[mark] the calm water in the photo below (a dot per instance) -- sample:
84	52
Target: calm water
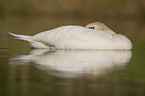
27	72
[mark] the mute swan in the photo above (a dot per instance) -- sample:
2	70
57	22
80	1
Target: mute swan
78	37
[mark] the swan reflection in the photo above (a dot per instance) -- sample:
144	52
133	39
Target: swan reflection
74	63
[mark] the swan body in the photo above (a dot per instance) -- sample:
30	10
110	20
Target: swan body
78	37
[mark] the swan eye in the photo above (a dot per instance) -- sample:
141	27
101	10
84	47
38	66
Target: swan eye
91	27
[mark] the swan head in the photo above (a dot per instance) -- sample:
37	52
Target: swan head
100	26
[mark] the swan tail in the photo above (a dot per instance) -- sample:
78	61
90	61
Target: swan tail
32	43
20	37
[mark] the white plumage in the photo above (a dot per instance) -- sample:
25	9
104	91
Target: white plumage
77	37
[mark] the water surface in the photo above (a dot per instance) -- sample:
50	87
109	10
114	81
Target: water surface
27	72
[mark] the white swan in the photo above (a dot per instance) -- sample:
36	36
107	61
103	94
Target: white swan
78	37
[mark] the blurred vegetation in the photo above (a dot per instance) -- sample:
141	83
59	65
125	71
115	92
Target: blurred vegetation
82	8
32	16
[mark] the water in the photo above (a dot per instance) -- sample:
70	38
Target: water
27	72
